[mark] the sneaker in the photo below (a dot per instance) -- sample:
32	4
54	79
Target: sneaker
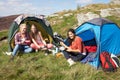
71	62
46	54
8	53
53	52
36	50
84	53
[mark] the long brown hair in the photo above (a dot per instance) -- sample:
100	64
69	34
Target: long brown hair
70	40
34	34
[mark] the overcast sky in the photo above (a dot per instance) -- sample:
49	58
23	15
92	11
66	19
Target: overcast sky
46	7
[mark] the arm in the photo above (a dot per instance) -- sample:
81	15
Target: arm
41	38
64	45
73	50
33	40
80	46
28	39
77	45
68	48
17	41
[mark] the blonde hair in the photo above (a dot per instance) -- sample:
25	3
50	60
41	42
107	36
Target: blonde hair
23	24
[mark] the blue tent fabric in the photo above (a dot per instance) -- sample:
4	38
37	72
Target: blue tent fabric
106	34
84	35
110	42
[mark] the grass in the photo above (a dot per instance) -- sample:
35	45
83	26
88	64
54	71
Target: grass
3	33
37	66
115	19
62	25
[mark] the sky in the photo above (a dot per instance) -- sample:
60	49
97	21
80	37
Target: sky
44	7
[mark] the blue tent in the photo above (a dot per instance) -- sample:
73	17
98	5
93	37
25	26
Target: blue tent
103	33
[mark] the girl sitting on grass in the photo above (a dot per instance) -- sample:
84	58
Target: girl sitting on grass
37	39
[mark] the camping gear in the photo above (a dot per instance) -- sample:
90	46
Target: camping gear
107	63
57	38
59	54
102	34
115	60
40	22
88	58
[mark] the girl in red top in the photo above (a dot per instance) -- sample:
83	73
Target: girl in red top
76	50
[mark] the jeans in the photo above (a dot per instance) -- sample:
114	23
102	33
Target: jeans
23	48
74	56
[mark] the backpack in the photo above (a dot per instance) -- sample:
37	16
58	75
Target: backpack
107	63
115	60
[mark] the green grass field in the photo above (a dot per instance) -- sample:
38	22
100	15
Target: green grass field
37	66
3	33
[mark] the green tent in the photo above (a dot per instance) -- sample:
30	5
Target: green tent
40	22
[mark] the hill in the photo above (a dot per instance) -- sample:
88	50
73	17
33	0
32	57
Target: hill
69	18
5	22
66	19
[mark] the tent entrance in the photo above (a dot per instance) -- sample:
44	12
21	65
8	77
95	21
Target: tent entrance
45	35
89	40
39	27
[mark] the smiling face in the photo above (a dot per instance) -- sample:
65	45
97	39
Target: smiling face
23	28
71	35
33	29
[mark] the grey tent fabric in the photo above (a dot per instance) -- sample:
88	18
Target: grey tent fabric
99	21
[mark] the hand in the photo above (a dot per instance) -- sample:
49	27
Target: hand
69	50
23	40
61	43
39	47
27	41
